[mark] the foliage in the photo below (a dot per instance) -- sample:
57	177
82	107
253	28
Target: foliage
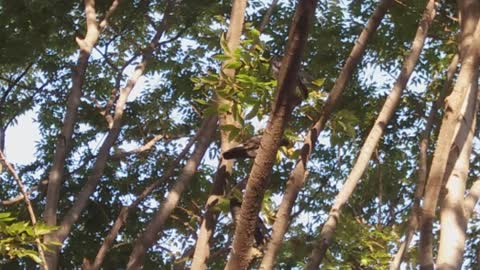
17	238
179	88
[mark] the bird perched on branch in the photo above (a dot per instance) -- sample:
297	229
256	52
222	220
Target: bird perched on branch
303	80
248	149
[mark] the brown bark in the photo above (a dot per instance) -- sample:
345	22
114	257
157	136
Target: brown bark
266	17
447	149
207	227
63	144
126	210
31	212
453	223
371	142
285	102
472	198
82	198
297	176
224	171
151	233
413	220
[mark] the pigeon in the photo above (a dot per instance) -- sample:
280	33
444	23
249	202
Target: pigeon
248	149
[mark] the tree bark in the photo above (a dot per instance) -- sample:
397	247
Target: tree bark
285	102
297	176
151	233
413	220
371	142
126	210
447	149
472	198
224	171
453	223
64	140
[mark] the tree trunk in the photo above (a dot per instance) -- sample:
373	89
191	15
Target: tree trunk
151	233
2	137
73	214
413	220
453	223
297	176
125	211
472	198
371	142
64	139
224	171
285	102
447	150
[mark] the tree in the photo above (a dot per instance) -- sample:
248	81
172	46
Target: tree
136	102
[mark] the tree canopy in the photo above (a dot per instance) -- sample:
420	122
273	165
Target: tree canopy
366	109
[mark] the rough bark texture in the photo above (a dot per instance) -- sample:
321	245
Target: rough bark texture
446	149
224	171
64	139
151	233
126	210
297	176
371	142
413	220
285	101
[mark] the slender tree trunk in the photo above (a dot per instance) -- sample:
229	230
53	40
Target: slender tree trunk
266	18
371	142
224	171
126	210
64	140
472	198
73	214
413	220
447	150
285	102
2	137
297	176
453	223
151	233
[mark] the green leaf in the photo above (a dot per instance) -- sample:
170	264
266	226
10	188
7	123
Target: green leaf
223	43
253	112
233	65
318	82
222	57
200	101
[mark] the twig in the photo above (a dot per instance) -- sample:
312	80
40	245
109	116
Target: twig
20	197
146	147
29	206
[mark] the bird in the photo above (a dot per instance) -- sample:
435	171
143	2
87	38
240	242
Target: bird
248	149
303	79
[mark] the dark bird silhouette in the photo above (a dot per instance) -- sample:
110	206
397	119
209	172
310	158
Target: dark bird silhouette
248	149
303	79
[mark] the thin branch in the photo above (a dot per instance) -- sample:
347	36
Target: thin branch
146	147
21	197
13	83
125	211
471	199
177	36
31	212
104	23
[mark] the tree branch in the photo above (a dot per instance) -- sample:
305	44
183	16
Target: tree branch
31	212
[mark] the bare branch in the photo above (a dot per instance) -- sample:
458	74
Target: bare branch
146	147
21	197
31	212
